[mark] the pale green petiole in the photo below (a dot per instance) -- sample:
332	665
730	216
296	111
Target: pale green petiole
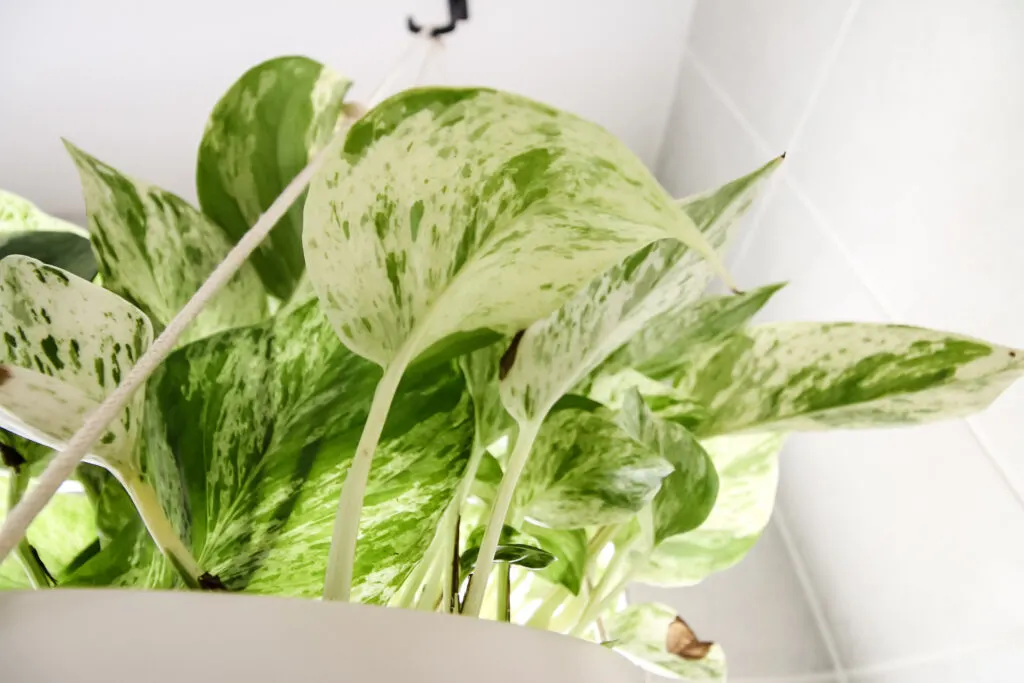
502	501
160	528
35	571
340	561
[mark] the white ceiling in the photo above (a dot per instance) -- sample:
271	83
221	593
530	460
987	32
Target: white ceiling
132	82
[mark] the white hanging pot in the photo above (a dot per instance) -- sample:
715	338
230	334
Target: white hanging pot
181	637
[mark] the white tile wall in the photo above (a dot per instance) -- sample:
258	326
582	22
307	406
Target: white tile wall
900	200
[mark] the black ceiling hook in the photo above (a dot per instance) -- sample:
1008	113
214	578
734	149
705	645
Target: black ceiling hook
458	10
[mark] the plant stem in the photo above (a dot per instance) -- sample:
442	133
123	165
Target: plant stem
541	618
608	588
406	595
340	560
35	571
603	536
502	501
504	605
160	528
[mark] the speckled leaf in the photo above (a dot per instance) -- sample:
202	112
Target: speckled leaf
558	351
262	422
748	473
66	345
263	131
448	211
810	376
663	400
584	470
656	350
640	632
481	371
688	493
61	531
26	230
155	250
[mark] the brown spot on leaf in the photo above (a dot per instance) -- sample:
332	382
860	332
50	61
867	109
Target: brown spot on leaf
5	374
682	641
509	357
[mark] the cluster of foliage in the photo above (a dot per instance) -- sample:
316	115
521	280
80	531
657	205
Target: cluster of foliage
484	331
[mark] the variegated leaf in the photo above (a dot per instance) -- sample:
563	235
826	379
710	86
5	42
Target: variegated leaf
62	530
449	211
156	250
66	344
688	494
584	470
260	423
481	368
748	473
662	399
641	633
806	376
558	351
656	350
263	131
26	230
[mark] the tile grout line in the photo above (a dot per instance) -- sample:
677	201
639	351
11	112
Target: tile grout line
817	612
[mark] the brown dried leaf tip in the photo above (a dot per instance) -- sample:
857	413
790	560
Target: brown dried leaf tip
5	374
682	641
509	357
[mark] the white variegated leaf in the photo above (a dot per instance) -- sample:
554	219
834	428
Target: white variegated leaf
26	230
748	474
480	369
688	494
66	344
449	211
263	131
249	434
807	376
656	350
558	351
641	632
155	250
584	470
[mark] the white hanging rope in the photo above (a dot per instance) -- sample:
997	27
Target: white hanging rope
61	467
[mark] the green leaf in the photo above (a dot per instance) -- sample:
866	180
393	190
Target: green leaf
128	560
262	423
26	230
66	345
481	371
748	472
585	471
641	632
263	131
452	210
114	507
58	534
656	350
663	400
569	547
155	250
809	376
519	554
555	353
688	494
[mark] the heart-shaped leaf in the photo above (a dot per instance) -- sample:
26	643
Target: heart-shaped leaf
66	344
453	210
748	472
263	131
26	230
585	470
842	375
555	353
646	634
688	494
261	423
155	250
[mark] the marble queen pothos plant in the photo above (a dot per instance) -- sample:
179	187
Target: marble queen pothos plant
483	332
